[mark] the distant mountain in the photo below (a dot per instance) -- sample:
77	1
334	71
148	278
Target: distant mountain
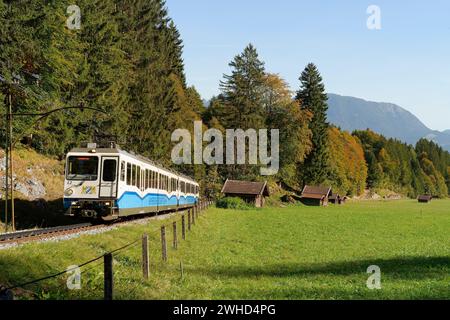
388	119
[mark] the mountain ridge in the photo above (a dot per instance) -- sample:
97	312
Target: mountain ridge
391	120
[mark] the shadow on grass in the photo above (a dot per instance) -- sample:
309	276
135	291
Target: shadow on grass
38	213
439	291
413	268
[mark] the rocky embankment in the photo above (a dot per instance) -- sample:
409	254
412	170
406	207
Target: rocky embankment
35	176
38	187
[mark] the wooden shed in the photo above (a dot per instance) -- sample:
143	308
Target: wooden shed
337	199
250	191
424	198
334	198
316	195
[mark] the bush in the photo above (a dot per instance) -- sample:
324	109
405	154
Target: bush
233	203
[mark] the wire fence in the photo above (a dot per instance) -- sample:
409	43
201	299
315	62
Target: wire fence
188	219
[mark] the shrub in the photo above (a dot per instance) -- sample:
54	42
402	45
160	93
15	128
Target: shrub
233	203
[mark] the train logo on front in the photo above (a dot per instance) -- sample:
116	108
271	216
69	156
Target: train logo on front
88	190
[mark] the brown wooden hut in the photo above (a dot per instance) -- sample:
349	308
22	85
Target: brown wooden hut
334	199
337	199
316	195
250	191
424	198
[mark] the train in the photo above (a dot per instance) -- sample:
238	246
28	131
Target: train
106	183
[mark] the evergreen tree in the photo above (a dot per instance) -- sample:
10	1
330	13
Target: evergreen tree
242	91
312	97
242	104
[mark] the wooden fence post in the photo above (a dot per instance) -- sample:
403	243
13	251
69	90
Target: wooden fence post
108	276
193	216
189	219
145	264
175	240
163	243
183	227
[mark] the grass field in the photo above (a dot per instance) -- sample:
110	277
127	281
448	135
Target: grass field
274	253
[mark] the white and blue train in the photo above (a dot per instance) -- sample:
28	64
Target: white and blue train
108	183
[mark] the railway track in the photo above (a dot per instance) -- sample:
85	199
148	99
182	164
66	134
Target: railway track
60	231
37	234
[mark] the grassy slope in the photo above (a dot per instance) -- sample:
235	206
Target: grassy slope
289	253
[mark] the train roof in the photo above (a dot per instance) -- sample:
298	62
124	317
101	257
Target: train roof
118	150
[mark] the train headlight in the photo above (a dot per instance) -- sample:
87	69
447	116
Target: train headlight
68	192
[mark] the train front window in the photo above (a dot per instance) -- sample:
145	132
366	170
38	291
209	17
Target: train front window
82	168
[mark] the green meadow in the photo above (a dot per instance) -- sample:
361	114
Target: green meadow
296	252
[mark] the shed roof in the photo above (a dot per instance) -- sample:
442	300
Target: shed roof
316	192
245	187
424	197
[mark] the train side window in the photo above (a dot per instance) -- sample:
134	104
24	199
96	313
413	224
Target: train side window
128	173
146	178
138	179
158	182
152	179
122	171
133	173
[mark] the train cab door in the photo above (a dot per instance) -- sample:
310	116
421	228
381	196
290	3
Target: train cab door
109	177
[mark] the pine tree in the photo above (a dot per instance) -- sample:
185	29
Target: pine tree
152	93
312	97
241	104
242	91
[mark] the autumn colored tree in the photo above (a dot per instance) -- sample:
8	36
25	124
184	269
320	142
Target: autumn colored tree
347	163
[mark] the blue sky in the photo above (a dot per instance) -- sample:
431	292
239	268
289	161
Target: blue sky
406	62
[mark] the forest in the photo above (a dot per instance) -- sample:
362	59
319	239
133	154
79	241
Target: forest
126	59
